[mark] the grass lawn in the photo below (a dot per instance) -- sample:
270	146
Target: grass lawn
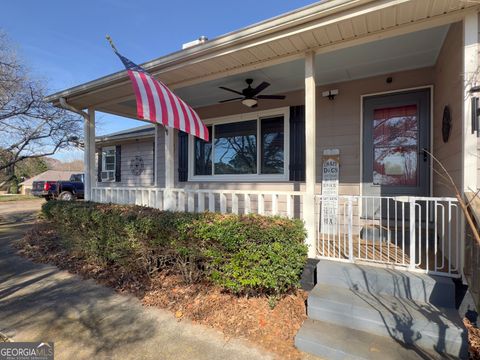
4	198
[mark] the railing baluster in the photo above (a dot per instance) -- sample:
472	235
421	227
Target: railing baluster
290	206
261	204
201	202
191	201
274	204
211	201
412	264
223	203
247	204
234	203
350	229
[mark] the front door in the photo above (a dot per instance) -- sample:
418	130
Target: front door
396	133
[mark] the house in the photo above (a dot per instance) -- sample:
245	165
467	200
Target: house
368	95
52	175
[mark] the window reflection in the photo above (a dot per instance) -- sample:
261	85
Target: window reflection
272	146
203	155
395	144
236	148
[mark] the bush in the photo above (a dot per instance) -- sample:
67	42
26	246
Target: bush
245	254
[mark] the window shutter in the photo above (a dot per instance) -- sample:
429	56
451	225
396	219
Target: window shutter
118	163
99	165
182	156
297	143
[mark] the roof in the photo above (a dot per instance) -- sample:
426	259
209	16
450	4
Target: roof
321	27
137	132
50	175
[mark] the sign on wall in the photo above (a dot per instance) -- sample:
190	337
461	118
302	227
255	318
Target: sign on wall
330	174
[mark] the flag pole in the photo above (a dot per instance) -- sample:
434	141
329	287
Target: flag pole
109	39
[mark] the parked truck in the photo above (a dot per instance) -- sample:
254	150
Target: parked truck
67	190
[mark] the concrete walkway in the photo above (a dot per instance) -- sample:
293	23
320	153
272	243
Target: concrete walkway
88	321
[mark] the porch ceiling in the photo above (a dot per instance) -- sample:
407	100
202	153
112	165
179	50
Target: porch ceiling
272	48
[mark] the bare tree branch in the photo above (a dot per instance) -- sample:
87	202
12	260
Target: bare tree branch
29	127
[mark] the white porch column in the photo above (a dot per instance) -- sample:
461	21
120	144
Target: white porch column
469	140
310	156
169	203
155	176
470	71
89	153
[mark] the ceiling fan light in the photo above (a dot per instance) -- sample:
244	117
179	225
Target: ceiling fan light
249	102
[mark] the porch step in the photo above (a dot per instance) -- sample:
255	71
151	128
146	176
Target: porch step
404	320
330	341
436	290
368	312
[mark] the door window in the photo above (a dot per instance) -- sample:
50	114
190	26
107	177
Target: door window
395	146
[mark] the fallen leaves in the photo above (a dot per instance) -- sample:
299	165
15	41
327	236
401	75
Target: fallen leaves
473	339
251	318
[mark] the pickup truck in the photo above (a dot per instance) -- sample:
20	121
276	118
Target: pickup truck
67	190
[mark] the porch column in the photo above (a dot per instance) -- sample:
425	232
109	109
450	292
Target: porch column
155	160
169	203
89	152
469	140
310	156
470	71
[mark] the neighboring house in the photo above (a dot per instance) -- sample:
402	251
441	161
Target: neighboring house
49	175
372	87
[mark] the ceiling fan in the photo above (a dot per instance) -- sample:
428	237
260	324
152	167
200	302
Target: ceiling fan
250	96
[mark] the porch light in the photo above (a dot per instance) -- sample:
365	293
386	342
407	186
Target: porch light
249	102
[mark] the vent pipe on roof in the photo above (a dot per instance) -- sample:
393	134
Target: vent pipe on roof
201	40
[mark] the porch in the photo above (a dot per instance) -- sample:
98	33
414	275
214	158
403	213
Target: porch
424	242
380	213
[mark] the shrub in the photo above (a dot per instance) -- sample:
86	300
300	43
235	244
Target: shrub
245	254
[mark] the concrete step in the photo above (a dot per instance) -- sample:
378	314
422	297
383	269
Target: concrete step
409	322
436	290
330	341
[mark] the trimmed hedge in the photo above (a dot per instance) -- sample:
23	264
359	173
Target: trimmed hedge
245	254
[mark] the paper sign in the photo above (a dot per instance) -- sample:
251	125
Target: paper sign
330	174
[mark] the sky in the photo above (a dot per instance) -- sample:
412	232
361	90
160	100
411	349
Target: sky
63	42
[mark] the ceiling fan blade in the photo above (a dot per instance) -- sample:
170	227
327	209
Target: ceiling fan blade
260	88
274	97
233	99
231	90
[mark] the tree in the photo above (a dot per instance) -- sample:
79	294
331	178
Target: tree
29	127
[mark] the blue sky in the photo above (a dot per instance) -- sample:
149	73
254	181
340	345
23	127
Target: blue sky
64	42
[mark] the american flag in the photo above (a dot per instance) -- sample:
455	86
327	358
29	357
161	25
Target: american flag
158	104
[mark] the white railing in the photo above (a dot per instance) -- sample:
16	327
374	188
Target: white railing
143	196
418	233
283	203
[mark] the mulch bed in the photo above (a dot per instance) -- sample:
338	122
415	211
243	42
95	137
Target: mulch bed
473	339
250	318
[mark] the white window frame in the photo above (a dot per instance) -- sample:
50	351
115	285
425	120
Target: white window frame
104	164
284	111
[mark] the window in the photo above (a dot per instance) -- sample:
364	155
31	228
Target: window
252	147
395	146
272	146
203	155
108	163
236	148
